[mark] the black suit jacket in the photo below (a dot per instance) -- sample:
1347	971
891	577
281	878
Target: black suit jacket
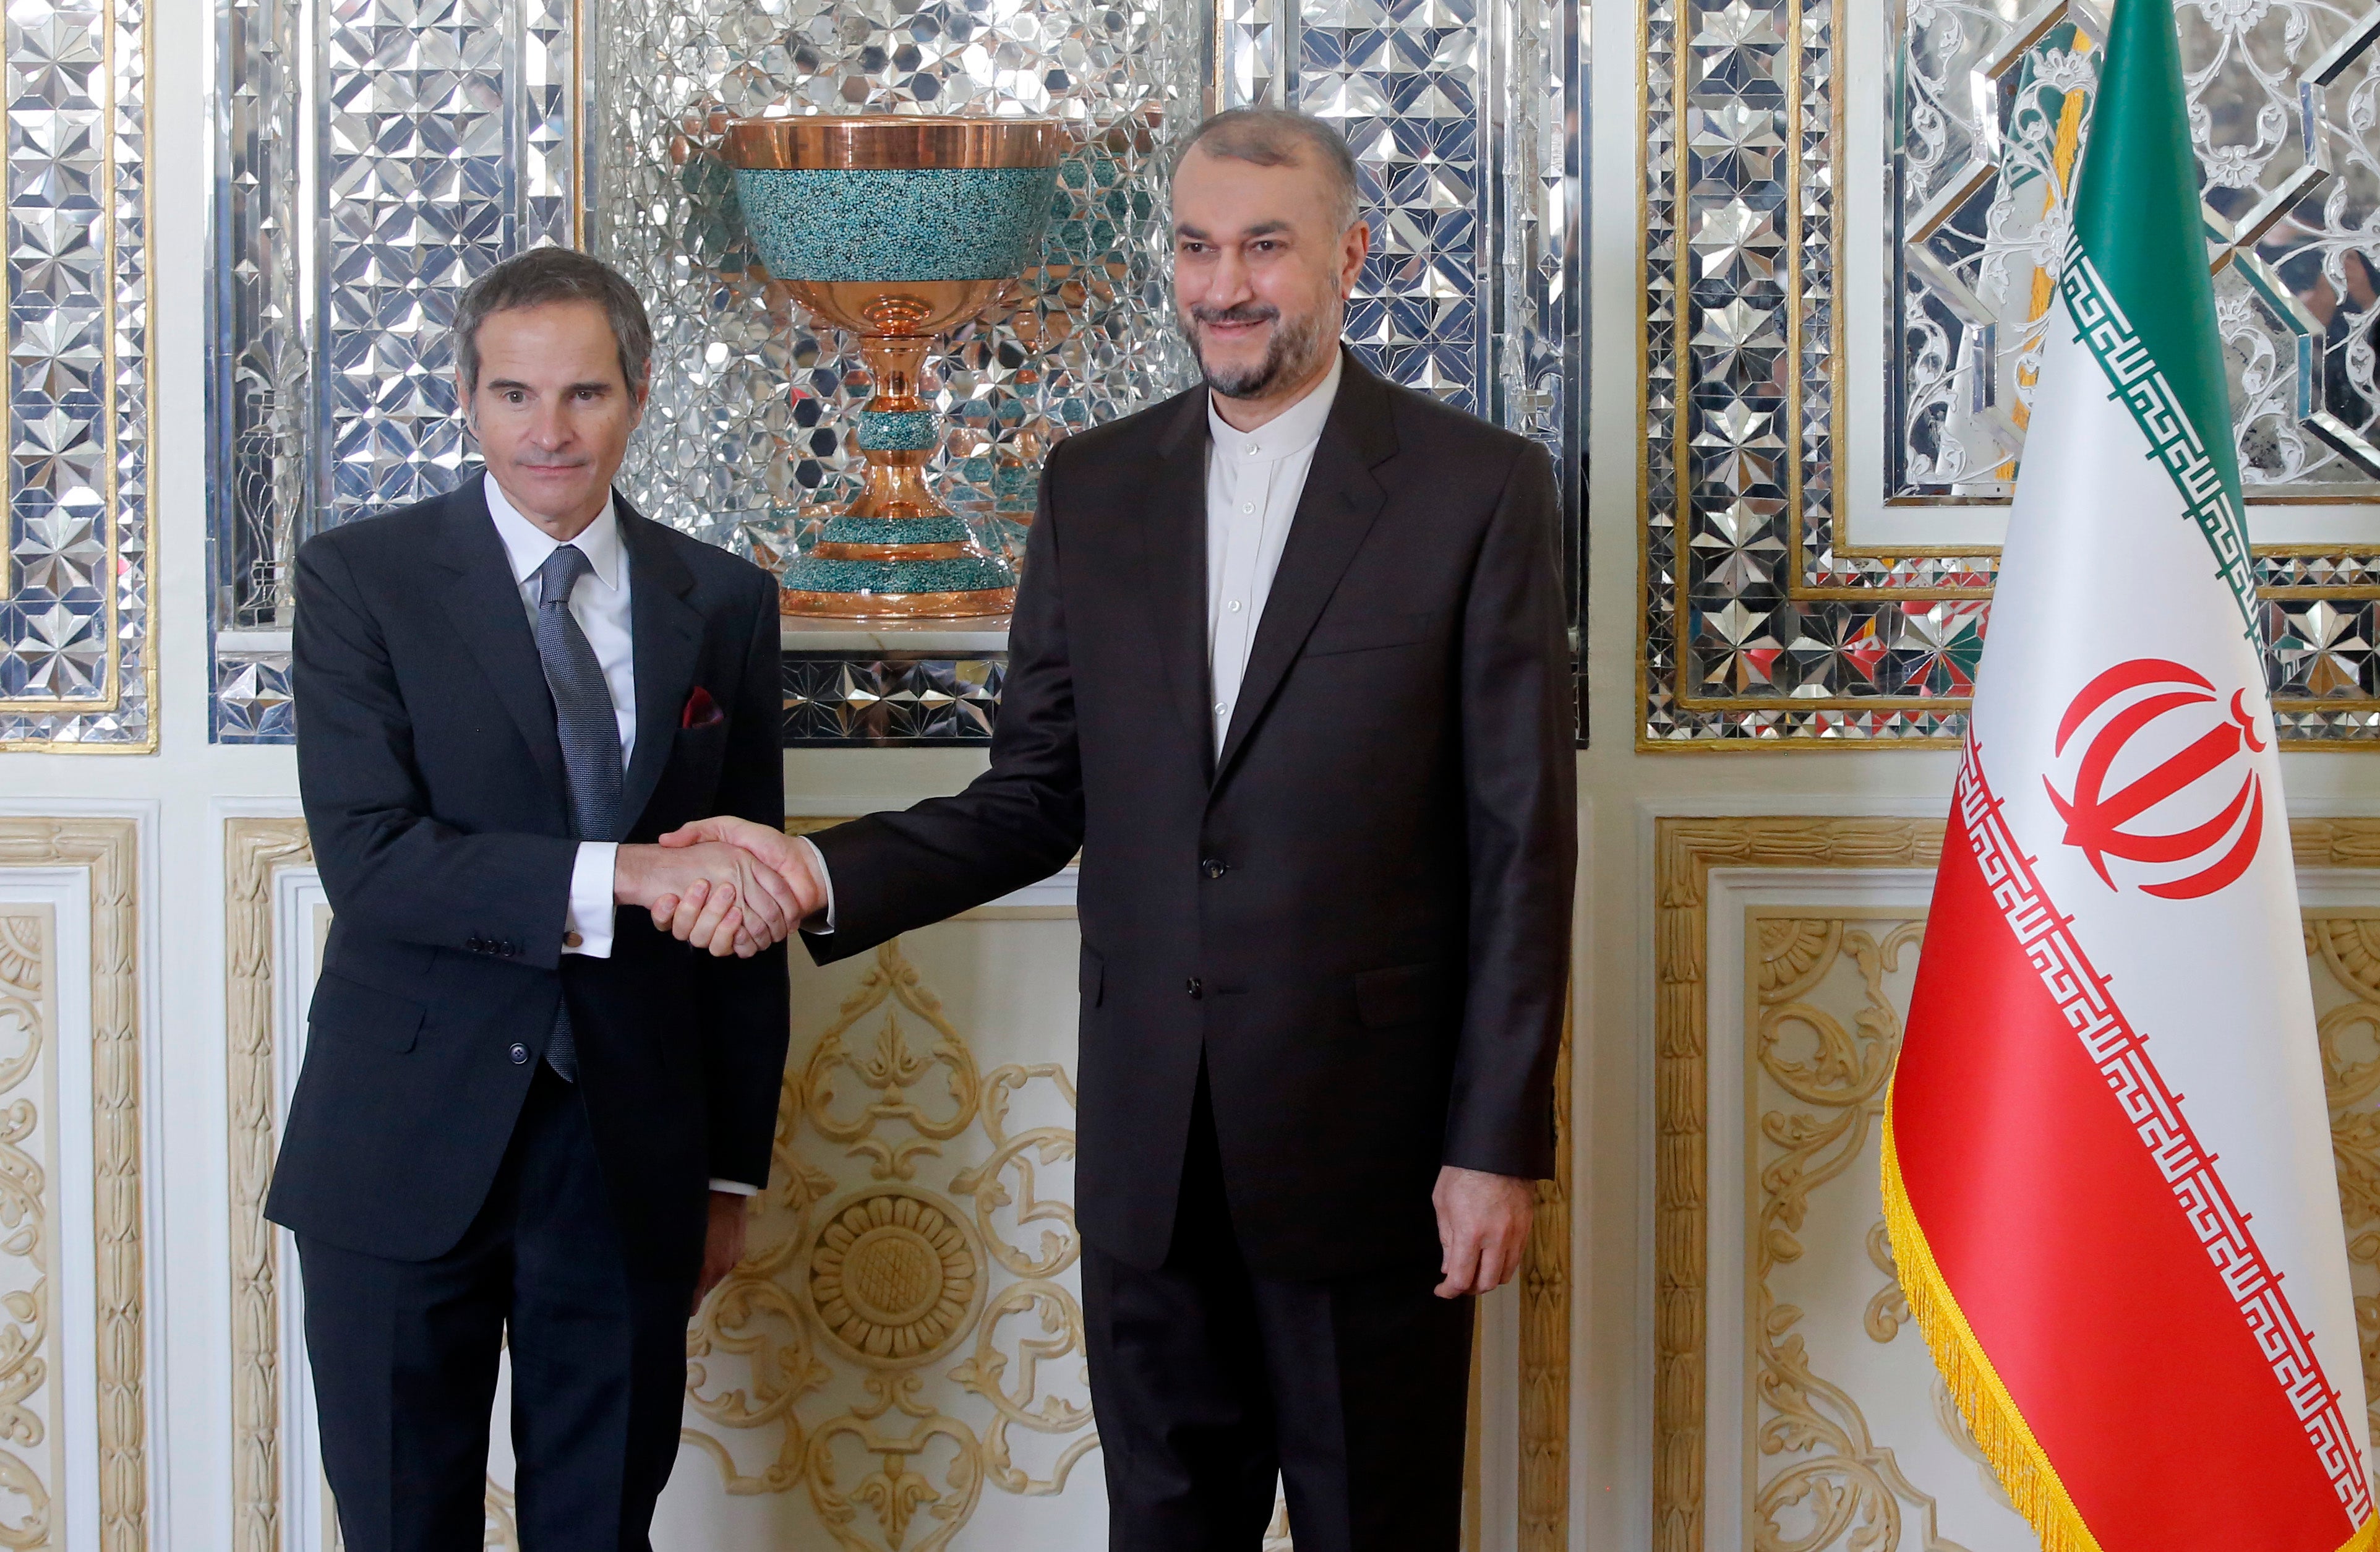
438	806
1358	914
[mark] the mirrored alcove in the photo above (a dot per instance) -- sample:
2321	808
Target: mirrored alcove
364	196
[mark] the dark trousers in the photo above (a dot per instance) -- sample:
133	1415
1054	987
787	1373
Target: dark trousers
1207	1381
405	1356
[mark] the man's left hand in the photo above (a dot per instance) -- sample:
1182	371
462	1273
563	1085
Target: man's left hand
1482	1226
722	1243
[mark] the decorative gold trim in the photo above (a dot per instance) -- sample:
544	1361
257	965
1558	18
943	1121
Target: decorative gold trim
1683	691
253	850
1543	1463
893	141
1685	851
113	700
108	849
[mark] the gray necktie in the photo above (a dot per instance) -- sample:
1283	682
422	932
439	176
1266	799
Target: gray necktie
590	737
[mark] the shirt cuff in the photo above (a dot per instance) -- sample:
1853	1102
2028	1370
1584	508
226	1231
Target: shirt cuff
735	1188
821	923
588	929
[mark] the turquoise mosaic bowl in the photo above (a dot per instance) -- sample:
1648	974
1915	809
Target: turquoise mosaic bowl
896	223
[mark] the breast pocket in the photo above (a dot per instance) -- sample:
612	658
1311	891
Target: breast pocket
1373	632
346	1010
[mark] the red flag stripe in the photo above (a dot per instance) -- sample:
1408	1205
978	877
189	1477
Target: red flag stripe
2109	1284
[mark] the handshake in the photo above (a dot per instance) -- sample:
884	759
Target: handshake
724	885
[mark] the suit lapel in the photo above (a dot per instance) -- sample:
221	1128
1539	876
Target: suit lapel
668	642
1334	514
484	603
1173	553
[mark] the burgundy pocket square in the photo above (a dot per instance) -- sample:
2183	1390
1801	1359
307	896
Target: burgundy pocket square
700	710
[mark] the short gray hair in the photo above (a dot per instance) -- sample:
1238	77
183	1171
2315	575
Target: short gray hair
1277	138
554	274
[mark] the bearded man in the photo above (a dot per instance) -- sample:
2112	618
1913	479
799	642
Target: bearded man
1289	667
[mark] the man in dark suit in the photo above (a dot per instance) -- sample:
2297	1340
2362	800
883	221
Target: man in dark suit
522	1123
1288	666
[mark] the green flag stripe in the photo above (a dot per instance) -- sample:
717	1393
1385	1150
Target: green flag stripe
2136	216
2208	489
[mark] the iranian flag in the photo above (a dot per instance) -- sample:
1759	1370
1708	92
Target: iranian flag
2106	1159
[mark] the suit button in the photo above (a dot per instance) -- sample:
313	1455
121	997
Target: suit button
519	1053
1214	867
1197	987
572	940
508	948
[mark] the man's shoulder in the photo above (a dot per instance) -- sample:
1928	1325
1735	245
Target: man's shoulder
714	569
1129	440
403	531
1430	427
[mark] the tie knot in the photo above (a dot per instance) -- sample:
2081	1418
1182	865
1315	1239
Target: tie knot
561	573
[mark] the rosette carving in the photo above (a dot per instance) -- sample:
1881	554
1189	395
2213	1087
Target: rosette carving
899	1334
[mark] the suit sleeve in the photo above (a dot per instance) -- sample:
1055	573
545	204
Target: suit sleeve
387	863
745	1003
1520	779
1018	822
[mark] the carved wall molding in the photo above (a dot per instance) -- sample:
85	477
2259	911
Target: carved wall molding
253	850
1685	851
1543	1465
107	850
1793	954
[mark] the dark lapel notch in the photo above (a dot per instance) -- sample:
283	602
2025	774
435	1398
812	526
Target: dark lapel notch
484	603
1174	552
1335	512
668	634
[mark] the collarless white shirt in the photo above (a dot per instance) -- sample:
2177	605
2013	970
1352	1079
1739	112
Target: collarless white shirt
1254	482
599	604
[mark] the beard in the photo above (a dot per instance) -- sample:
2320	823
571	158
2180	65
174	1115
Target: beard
1295	343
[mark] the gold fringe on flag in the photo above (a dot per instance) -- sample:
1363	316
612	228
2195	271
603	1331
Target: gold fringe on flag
1999	1430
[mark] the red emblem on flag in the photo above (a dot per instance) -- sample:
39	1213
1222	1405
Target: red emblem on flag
2171	775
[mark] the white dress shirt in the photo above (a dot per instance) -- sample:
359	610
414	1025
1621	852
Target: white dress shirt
599	604
1253	481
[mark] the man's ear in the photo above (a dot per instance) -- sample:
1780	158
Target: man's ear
467	403
1354	247
640	393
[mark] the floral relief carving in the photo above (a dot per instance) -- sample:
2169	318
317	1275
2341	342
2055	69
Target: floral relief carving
867	1310
1838	1489
1817	1071
27	1467
2347	1003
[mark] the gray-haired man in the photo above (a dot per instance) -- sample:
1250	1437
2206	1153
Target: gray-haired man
514	1104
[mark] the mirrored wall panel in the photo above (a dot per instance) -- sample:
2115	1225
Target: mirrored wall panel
77	671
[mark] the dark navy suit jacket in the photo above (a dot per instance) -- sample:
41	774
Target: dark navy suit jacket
438	806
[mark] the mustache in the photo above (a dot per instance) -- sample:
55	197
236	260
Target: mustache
1244	312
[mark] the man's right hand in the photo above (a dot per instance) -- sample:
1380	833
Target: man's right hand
740	906
771	850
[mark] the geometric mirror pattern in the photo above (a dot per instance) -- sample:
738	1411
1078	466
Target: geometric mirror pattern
1464	117
453	134
355	201
77	668
1764	623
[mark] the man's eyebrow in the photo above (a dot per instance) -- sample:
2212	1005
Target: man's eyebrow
596	385
1261	229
